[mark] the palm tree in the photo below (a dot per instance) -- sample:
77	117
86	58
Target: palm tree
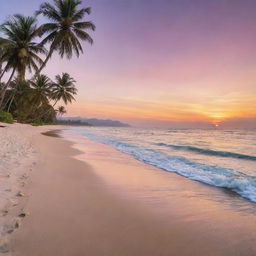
67	28
61	110
64	89
40	90
18	51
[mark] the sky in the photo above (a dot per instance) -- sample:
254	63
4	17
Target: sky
184	63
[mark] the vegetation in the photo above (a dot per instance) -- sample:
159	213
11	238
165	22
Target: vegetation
27	47
6	117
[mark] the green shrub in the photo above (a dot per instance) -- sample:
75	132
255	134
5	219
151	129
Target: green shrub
20	115
6	117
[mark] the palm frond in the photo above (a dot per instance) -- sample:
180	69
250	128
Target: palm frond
83	35
81	13
85	25
18	48
49	11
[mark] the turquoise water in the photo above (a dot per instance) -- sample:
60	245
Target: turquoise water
221	158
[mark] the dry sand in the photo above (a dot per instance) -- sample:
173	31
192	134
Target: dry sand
75	211
17	159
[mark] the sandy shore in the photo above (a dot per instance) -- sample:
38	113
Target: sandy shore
18	157
103	202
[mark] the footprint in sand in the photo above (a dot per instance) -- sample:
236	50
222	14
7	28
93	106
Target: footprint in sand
4	213
22	215
20	194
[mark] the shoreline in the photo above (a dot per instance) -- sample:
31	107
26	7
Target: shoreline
81	204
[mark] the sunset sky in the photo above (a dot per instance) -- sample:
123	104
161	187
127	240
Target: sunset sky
161	62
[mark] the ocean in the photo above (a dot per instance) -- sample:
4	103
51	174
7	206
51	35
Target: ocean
220	158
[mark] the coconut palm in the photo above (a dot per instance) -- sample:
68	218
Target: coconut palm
67	28
18	51
40	90
64	89
61	110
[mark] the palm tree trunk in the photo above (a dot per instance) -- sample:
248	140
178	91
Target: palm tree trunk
45	62
9	106
7	101
5	88
21	74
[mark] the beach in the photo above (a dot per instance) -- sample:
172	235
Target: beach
86	198
18	158
120	136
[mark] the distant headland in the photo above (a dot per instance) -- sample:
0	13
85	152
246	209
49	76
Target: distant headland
91	122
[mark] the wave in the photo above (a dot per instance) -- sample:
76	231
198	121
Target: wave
242	184
208	151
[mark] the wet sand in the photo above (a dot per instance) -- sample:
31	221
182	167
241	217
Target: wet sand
103	202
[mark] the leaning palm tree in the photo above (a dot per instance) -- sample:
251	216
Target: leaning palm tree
61	110
18	50
64	89
67	28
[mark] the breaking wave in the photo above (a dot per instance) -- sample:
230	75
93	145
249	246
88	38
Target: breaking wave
242	184
208	151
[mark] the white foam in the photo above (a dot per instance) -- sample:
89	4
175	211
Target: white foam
242	184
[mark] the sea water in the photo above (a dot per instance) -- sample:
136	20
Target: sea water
221	158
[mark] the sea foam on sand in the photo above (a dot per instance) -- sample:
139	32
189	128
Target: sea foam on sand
17	158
